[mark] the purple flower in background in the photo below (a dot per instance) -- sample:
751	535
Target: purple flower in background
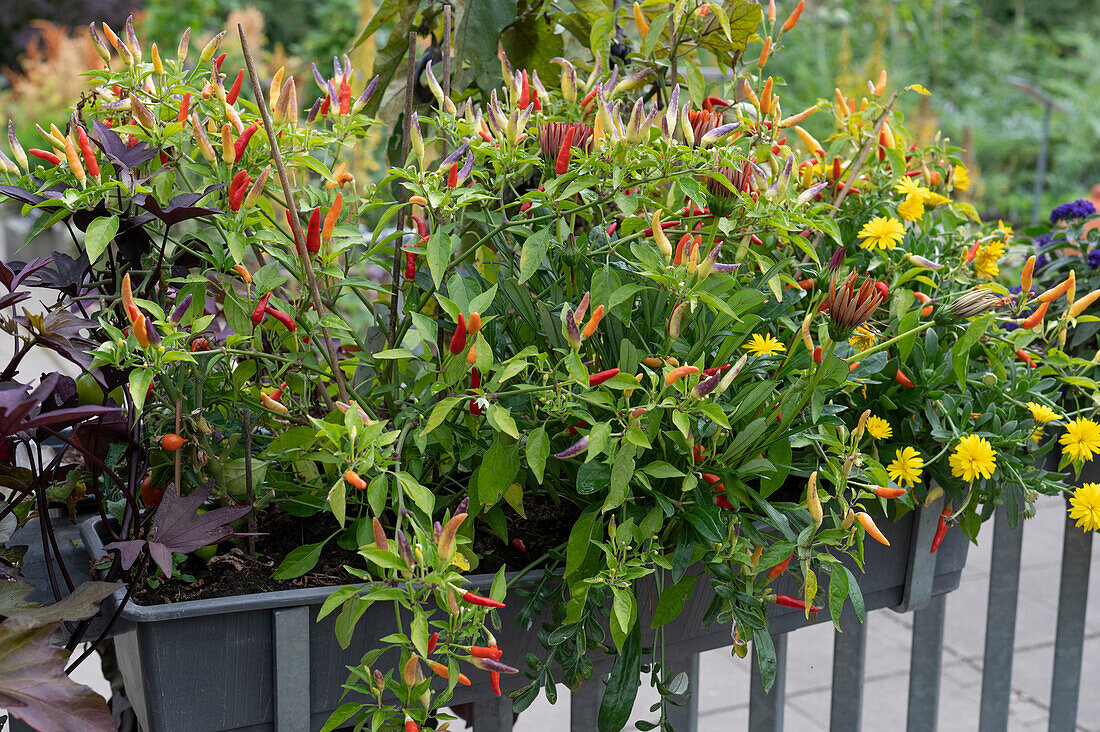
1043	241
1074	210
1093	258
1016	290
1041	261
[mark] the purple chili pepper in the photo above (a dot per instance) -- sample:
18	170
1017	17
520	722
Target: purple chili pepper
336	71
489	664
838	258
572	333
404	549
575	449
438	529
366	95
181	309
706	386
324	83
718	133
464	171
313	111
463	506
151	332
721	268
454	156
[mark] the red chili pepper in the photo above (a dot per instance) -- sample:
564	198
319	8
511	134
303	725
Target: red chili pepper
535	99
788	601
242	141
237	188
261	307
49	157
172	442
598	378
410	726
818	354
715	369
282	317
1035	318
480	601
883	289
664	225
780	568
590	96
487	652
235	90
219	61
697	452
678	258
525	93
90	163
612	228
433	640
185	106
313	231
200	344
836	168
325	105
452	176
458	340
345	95
941	530
903	380
562	163
519	546
494	676
475	383
1025	357
290	223
421	226
278	393
410	266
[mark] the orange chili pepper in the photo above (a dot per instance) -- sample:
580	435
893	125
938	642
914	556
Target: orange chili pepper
884	492
593	322
172	442
1035	318
679	256
868	525
353	478
678	373
780	568
473	325
332	216
903	380
419	200
244	273
441	670
792	19
1025	357
1050	295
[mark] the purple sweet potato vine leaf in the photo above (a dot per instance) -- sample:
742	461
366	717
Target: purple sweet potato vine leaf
34	687
179	527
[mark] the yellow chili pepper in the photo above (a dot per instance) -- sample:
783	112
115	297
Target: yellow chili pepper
641	22
659	236
229	153
813	501
1079	306
1026	275
1058	290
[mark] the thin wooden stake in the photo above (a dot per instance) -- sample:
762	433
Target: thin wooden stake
178	466
249	496
445	48
295	225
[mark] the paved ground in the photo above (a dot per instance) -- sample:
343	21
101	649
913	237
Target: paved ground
724	702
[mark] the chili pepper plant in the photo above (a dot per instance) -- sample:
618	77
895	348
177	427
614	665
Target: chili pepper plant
654	306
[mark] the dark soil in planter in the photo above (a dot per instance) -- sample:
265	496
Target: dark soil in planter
232	572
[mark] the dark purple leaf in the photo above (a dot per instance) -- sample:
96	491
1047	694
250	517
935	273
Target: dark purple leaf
13	298
82	603
11	275
179	527
34	687
16	406
113	146
66	273
59	330
21	194
179	208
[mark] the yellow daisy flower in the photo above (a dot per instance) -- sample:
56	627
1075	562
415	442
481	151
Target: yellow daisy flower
985	263
907	466
935	199
1037	434
973	458
884	232
1005	230
912	208
862	339
1041	413
764	345
1082	440
879	428
1084	506
960	178
909	187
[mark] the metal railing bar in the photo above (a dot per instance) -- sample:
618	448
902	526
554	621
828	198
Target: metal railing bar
1065	684
493	715
766	710
290	628
926	666
849	653
685	718
1000	624
584	704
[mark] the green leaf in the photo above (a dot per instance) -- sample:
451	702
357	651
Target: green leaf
394	353
336	599
299	561
622	468
384	558
838	593
439	254
99	235
593	477
497	470
337	501
597	440
139	386
421	496
502	420
419	633
622	686
537	451
960	353
855	595
439	414
671	602
579	537
342	714
533	252
661	469
765	657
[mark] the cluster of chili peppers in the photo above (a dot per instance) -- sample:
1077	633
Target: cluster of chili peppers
263	309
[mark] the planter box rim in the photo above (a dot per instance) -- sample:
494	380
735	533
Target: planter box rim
89	533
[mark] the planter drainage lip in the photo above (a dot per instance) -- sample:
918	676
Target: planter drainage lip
89	532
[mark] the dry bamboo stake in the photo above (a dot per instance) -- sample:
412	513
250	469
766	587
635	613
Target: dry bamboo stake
395	275
445	48
277	156
248	494
178	467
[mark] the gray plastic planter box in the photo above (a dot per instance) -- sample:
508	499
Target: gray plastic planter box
235	663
